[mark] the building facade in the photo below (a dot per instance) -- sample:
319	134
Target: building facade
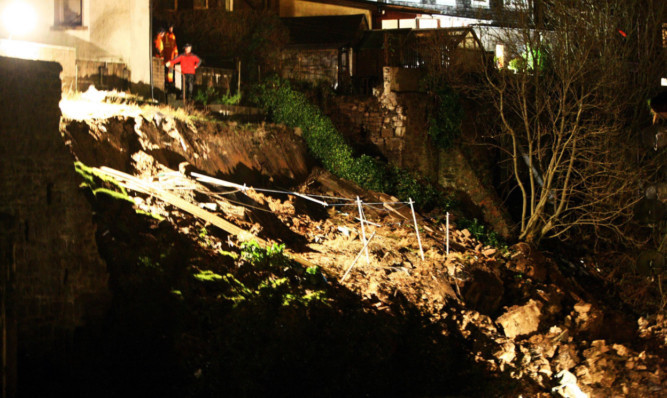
93	37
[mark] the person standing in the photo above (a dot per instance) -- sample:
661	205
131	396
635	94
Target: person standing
189	64
159	44
170	50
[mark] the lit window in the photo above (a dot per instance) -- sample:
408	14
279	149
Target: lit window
68	13
500	56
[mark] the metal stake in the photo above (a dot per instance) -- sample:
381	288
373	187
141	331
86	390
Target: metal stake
357	258
447	231
363	228
414	218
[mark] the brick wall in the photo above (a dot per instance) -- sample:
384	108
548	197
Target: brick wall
159	74
57	278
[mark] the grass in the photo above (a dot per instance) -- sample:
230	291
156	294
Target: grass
94	104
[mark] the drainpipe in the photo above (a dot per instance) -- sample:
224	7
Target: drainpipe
150	53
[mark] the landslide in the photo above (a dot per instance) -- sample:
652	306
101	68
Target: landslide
200	312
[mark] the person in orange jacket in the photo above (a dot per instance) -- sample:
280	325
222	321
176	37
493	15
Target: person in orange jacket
189	64
159	44
170	50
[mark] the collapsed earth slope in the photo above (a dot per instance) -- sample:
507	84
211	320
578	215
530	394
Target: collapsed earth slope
477	321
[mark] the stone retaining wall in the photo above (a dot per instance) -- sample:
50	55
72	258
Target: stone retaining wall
395	126
53	278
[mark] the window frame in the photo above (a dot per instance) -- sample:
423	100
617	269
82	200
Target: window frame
59	21
202	7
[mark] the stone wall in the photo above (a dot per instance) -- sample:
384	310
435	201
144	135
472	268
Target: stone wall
54	276
394	126
311	65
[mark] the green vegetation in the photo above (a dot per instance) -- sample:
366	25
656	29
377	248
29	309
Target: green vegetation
148	214
207	276
254	254
211	96
112	194
98	182
291	107
271	279
445	120
479	231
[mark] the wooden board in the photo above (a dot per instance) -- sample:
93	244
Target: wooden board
134	183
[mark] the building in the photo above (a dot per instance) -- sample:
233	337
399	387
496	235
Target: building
321	48
107	43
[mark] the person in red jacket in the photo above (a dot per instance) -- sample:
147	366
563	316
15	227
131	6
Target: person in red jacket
189	64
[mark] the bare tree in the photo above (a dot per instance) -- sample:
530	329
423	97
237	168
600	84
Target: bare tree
569	108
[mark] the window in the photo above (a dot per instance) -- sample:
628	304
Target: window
200	4
227	5
480	3
517	4
68	13
167	4
451	3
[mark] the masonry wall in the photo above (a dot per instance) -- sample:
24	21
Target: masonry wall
56	279
394	125
311	65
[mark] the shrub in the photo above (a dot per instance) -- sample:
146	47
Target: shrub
478	230
292	108
211	96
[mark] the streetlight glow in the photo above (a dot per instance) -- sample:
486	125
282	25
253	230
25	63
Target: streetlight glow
19	18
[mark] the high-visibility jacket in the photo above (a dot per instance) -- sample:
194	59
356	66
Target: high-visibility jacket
159	46
189	62
170	48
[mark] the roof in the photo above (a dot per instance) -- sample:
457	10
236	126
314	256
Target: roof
374	5
325	31
405	7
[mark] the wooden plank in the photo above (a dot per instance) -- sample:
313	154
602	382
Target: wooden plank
133	183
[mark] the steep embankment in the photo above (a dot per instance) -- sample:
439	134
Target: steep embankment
257	155
232	318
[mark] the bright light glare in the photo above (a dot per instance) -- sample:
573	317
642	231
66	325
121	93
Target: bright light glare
19	18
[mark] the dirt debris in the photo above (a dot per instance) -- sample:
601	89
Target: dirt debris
520	313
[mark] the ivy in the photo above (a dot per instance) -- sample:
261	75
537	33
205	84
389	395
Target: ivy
292	108
446	116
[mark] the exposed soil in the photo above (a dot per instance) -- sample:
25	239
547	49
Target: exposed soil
480	321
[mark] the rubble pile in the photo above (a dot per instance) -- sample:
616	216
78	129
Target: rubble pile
519	313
